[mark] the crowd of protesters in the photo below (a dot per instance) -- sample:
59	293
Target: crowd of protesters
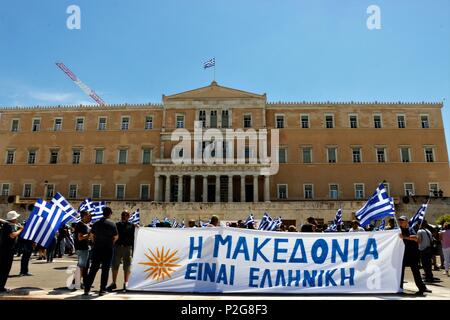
106	245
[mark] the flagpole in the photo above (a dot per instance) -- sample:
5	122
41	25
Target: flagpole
214	69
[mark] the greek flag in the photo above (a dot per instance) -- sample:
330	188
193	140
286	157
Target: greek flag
154	222
268	224
46	218
174	223
249	220
210	63
418	217
86	205
97	214
337	221
378	206
135	217
382	225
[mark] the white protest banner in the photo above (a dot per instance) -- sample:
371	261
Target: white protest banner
252	261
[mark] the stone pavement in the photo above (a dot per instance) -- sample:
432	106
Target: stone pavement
49	282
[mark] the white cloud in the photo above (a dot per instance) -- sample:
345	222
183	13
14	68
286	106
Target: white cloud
46	96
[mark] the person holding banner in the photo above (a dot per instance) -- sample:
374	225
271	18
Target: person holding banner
411	256
8	239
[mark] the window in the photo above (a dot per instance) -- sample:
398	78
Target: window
308	191
96	191
225	119
99	156
36	125
5	189
282	152
15	125
73	191
76	155
120	191
282	190
79	124
49	190
125	123
102	123
31	156
329	121
381	155
202	118
388	190
433	189
356	154
307	154
359	191
27	190
405	154
353	121
213	119
58	124
279	121
377	121
304	119
10	156
54	156
424	121
409	189
123	153
145	191
331	153
429	154
401	121
247	120
146	156
148	123
180	121
334	191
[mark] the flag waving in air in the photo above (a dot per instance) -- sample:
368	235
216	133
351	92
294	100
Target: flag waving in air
379	206
135	217
46	218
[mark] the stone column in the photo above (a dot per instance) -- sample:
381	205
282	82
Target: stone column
192	196
157	191
266	188
167	188
242	188
180	188
205	189
255	189
230	188
218	188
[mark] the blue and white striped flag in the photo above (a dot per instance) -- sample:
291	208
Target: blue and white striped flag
46	218
210	63
382	225
86	205
154	222
418	217
265	220
337	221
269	224
379	206
174	223
249	220
135	217
97	213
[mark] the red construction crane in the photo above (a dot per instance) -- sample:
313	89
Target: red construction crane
91	93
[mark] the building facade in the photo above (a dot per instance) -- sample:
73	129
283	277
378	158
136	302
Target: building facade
327	151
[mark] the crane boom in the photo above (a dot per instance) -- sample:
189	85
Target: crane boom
91	93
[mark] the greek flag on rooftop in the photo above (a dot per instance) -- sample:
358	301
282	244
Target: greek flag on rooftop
378	206
46	218
135	217
210	63
418	217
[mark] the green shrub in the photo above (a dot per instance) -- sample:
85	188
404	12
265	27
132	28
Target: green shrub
444	218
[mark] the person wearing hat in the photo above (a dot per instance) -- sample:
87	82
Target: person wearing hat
8	237
411	256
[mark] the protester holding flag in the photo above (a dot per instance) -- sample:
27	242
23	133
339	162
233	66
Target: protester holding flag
81	239
123	248
8	238
411	256
105	235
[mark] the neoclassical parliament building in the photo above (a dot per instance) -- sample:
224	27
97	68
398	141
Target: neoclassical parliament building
328	151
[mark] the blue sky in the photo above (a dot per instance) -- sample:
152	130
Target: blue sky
316	50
